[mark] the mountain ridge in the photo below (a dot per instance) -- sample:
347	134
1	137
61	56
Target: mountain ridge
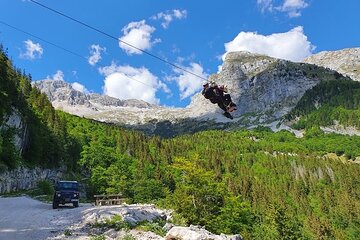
264	88
345	61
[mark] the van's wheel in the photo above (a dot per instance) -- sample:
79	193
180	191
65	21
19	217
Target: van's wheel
76	204
55	205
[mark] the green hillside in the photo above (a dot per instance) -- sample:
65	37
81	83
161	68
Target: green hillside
261	184
328	102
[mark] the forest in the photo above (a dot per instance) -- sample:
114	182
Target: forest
258	183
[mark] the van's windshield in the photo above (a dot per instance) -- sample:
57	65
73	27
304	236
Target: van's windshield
67	186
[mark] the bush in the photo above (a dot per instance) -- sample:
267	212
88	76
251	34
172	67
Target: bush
45	187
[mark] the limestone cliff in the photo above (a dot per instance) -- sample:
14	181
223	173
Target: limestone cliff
346	61
264	88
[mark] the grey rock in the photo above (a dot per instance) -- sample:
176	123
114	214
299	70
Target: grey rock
346	61
24	178
264	88
197	233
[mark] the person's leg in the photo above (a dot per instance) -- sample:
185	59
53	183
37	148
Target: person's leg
222	106
227	99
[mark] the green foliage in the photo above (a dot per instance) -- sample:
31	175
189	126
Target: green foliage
116	222
45	187
9	155
327	102
68	232
128	237
99	237
155	227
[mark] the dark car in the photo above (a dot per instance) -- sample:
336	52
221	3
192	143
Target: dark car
66	192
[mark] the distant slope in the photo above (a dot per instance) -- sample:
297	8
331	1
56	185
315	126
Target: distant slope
329	104
346	61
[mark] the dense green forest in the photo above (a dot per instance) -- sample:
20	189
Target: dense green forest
261	184
327	102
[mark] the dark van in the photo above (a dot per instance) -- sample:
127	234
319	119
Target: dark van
66	192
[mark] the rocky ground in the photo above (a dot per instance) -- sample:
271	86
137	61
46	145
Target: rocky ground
25	218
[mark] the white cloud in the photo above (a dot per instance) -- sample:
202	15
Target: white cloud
169	16
33	50
79	87
291	7
126	82
137	34
188	83
95	51
265	5
58	76
292	45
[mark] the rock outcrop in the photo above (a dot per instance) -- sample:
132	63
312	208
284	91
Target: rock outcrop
346	61
95	222
24	178
196	233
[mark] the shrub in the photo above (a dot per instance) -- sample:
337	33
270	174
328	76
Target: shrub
45	187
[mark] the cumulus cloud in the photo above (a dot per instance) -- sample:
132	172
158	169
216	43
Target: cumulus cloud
188	83
79	87
95	54
137	34
58	76
126	82
291	7
168	16
33	50
292	45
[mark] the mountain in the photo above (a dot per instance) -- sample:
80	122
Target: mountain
264	88
346	61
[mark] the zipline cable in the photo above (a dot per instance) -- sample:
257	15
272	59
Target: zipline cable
115	38
41	39
62	48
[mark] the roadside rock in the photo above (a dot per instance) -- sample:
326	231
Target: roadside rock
196	233
132	214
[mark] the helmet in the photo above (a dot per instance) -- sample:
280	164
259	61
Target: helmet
204	83
225	88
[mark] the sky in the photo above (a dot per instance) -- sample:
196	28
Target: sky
160	51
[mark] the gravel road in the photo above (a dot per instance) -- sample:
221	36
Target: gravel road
25	218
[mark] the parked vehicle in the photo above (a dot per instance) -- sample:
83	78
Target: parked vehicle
66	192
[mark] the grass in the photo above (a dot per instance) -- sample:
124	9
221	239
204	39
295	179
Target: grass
117	223
155	227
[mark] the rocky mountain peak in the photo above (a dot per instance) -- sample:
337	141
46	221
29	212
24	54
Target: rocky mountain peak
64	96
264	88
346	61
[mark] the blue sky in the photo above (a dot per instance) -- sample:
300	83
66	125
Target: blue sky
194	35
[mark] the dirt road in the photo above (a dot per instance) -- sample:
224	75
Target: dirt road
25	218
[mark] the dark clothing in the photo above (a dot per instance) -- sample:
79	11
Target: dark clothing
216	95
211	93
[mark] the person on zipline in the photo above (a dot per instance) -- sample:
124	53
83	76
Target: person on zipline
218	95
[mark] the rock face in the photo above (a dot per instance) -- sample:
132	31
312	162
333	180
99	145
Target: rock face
264	88
63	95
346	61
24	178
